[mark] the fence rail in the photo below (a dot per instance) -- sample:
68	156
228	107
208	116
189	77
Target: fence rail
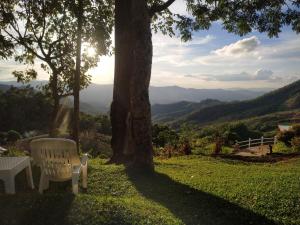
256	142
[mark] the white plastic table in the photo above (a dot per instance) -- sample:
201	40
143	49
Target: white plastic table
10	167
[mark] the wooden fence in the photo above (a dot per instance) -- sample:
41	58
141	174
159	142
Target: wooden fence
256	142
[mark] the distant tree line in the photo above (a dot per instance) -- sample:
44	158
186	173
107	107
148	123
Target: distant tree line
24	109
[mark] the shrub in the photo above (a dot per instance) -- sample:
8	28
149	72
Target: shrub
163	135
3	138
296	129
281	147
286	137
13	136
13	151
97	145
296	144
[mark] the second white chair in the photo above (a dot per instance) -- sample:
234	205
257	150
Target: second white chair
59	161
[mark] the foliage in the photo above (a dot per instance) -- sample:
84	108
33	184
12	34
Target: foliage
296	144
98	123
13	151
46	31
13	136
96	144
183	190
229	132
288	135
24	109
163	135
281	147
235	16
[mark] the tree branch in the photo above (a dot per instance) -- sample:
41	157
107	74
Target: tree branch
158	8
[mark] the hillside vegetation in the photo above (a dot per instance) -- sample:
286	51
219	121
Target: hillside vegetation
283	99
169	112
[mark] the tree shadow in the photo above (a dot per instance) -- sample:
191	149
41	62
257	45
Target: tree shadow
275	157
190	205
35	209
28	207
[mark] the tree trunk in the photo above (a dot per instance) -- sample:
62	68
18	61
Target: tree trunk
55	96
77	76
130	109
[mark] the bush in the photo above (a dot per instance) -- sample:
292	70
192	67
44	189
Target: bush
13	136
296	144
3	138
281	147
296	129
289	135
13	151
97	145
163	135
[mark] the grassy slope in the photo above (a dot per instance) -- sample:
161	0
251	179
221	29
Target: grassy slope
190	190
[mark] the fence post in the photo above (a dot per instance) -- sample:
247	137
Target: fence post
262	140
275	140
249	142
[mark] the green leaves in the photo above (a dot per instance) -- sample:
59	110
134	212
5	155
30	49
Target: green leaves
25	76
239	17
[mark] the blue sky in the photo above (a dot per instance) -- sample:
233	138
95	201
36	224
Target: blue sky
213	59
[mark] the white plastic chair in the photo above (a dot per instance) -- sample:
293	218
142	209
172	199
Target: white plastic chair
59	161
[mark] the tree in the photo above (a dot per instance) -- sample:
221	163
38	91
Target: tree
45	30
134	20
77	74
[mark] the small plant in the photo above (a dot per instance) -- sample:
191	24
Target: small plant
281	147
13	136
296	144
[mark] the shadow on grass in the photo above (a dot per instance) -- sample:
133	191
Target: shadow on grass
35	209
190	205
275	157
28	207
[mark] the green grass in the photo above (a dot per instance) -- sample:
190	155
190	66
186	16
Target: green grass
183	190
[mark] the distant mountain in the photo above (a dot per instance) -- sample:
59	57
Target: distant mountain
283	99
98	97
169	112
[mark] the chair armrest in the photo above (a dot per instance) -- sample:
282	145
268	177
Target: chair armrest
84	159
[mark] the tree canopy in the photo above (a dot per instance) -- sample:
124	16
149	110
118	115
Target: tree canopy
45	31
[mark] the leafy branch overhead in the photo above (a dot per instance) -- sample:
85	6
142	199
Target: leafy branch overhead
239	17
44	31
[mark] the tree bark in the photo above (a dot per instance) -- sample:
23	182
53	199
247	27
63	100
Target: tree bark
130	109
54	84
77	76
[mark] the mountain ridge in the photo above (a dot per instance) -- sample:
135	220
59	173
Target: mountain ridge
98	97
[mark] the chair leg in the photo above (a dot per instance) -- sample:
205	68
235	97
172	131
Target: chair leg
46	183
43	182
29	177
75	179
10	185
84	176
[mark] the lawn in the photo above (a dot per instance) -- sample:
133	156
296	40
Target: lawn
183	190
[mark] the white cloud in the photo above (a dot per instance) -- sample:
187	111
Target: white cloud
262	74
239	48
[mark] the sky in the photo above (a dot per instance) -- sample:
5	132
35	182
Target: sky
213	59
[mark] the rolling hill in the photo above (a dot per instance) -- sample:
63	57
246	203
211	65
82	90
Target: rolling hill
283	99
169	112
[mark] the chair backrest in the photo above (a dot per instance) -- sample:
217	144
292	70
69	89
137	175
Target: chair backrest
55	156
